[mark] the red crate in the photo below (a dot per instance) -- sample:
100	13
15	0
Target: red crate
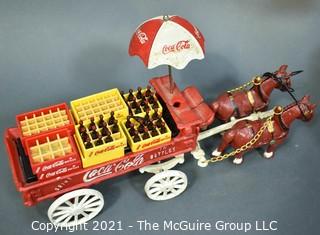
44	120
52	154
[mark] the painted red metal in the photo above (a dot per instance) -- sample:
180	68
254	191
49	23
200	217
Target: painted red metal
35	192
58	166
144	37
187	113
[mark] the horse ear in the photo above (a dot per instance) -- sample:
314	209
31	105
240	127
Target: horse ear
304	98
283	68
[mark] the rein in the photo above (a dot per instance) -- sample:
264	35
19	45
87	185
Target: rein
290	90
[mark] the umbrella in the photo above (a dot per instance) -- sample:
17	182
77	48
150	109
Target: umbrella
167	40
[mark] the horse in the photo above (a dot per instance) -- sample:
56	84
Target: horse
273	136
241	103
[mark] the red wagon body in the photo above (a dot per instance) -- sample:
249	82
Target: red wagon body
186	117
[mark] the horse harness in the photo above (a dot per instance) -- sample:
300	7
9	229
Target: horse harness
250	99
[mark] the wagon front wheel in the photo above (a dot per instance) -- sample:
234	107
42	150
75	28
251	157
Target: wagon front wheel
166	185
76	207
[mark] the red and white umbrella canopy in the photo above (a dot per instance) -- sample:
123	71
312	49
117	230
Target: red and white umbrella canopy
169	40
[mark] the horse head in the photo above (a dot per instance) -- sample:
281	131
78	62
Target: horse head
306	108
282	77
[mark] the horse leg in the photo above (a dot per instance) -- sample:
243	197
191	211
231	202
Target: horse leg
238	159
226	140
269	153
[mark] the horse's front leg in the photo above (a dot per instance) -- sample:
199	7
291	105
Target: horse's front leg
238	159
269	153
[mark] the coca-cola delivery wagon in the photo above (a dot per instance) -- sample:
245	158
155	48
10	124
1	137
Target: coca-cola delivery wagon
58	152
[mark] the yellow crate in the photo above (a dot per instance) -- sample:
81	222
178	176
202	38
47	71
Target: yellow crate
147	143
138	100
99	103
101	153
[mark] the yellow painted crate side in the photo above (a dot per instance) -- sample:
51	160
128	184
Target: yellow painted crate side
119	114
105	151
148	143
104	157
143	113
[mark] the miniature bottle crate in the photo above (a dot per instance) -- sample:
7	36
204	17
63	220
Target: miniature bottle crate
97	104
103	152
44	120
138	100
152	141
52	154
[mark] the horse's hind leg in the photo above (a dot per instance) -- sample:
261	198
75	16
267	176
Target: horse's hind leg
225	141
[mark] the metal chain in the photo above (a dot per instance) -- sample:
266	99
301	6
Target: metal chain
245	146
242	87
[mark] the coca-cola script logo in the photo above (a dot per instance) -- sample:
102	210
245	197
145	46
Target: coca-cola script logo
142	36
179	46
113	168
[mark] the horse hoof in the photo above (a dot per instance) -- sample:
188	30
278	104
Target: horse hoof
238	161
216	153
268	155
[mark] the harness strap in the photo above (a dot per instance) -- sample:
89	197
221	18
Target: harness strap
235	106
251	100
261	95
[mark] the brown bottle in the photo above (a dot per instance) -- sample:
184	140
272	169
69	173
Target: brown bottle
151	99
163	128
150	126
139	93
138	110
148	91
145	134
134	103
155	104
99	141
154	132
141	128
92	125
88	143
159	122
143	102
115	127
146	118
108	138
111	118
130	96
82	128
94	134
105	131
84	136
155	115
136	137
101	121
132	130
128	122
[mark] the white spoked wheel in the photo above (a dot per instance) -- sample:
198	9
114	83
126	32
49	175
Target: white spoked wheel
166	185
76	207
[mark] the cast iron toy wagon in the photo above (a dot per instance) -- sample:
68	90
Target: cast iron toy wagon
59	152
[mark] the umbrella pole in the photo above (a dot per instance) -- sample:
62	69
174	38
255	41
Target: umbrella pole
170	79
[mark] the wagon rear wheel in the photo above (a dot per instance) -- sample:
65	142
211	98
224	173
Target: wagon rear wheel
76	207
166	185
